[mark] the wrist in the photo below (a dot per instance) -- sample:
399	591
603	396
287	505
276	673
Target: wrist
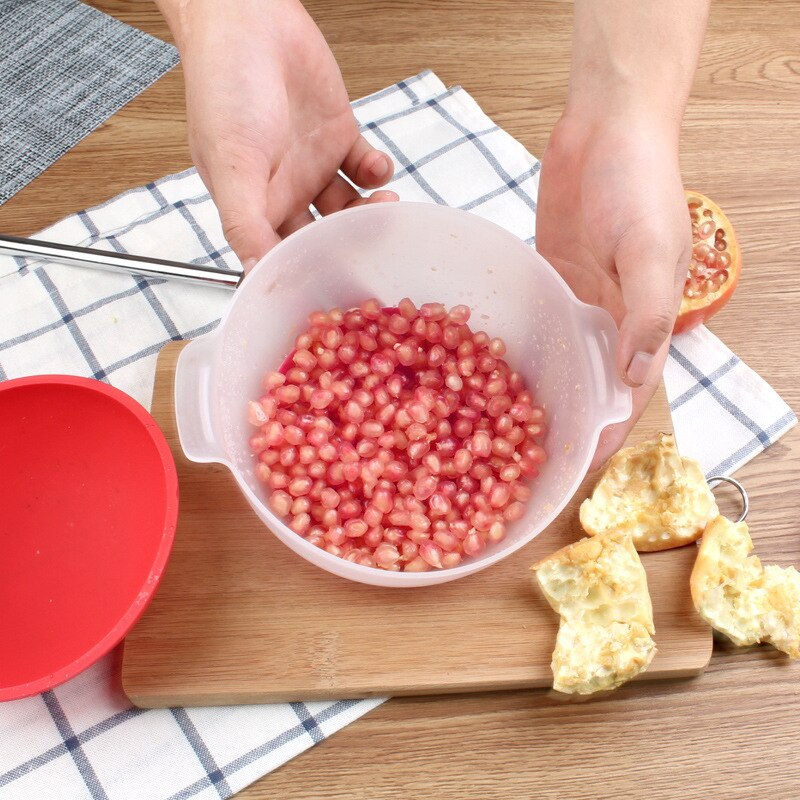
634	60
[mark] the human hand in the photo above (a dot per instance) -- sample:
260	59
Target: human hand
612	219
269	120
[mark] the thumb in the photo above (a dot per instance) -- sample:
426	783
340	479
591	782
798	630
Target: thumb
240	194
651	289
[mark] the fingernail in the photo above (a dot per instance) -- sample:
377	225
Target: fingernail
381	167
639	368
249	263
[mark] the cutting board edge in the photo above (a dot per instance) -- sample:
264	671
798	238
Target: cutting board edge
151	699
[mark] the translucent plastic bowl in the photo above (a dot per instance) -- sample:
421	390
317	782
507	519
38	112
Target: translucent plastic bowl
429	253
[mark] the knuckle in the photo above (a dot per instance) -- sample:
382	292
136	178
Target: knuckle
660	320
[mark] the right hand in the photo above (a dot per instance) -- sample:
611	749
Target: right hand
270	125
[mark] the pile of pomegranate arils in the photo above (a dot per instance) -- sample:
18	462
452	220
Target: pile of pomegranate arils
397	438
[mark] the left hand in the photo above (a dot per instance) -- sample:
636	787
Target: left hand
612	220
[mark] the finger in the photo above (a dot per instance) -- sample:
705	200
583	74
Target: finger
613	437
650	293
338	194
381	196
295	223
240	195
366	166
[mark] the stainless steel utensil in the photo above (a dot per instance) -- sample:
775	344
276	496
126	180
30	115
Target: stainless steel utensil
204	274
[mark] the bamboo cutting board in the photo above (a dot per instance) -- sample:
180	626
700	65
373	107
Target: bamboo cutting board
239	618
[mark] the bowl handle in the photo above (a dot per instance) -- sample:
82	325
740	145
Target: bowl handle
613	397
193	403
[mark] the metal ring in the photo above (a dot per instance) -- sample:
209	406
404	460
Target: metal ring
742	492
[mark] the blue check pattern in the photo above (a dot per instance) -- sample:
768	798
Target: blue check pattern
83	739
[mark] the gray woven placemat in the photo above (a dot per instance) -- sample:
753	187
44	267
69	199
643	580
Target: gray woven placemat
64	69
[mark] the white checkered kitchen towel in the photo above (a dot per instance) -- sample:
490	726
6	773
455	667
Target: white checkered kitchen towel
83	740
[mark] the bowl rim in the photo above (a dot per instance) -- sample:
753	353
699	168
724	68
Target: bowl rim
125	403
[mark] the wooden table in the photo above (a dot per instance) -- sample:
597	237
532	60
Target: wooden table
738	725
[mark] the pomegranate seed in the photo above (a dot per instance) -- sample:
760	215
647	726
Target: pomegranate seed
500	495
503	424
301	505
416	431
373	537
288	456
382	500
349	509
417	565
432	311
256	414
486	363
400	519
473	544
407	354
306	454
287	394
418	521
371	309
300	486
335	535
447	446
432	553
355	528
462	460
521	412
293	435
300	523
466	366
439	505
381	364
321	398
482	520
534	453
418	412
461	500
407	308
329	498
418	536
398	324
481	445
451	337
433	463
514	511
280	502
272	380
496	386
496	533
425	487
454	382
447	541
459	314
509	473
372	429
395	470
304	359
502	447
386	555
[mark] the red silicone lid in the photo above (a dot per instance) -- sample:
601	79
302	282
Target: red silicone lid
88	507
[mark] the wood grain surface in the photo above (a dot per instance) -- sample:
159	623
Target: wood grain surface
240	618
731	733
